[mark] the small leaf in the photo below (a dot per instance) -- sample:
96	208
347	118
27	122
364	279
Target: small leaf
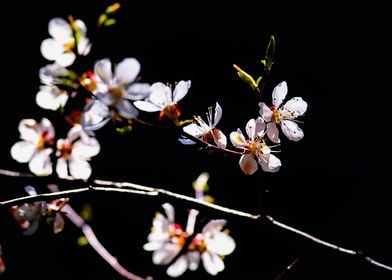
268	60
247	78
82	241
109	22
87	212
124	130
259	79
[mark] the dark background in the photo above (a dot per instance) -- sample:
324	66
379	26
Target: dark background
333	184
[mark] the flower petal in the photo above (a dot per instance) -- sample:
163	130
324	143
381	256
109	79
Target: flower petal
40	163
194	130
218	114
79	169
50	98
49	73
273	132
51	49
137	91
219	138
212	263
33	226
220	243
58	224
190	226
292	130
29	130
165	254
214	225
248	164
103	69
193	260
279	94
47	128
296	106
62	168
269	163
86	148
160	94
169	210
22	151
237	139
251	129
126	71
60	30
95	113
265	112
181	90
66	59
127	110
147	106
178	267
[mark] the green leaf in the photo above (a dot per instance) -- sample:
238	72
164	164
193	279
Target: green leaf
124	130
268	60
82	241
247	78
109	22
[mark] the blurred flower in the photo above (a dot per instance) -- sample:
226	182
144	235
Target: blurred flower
28	215
65	38
254	147
211	245
74	152
35	146
163	99
113	92
283	115
208	132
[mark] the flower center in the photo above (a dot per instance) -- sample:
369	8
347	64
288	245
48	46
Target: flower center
44	142
116	92
177	235
254	147
65	150
276	116
198	243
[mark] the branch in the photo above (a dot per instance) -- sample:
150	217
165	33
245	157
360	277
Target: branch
150	191
287	268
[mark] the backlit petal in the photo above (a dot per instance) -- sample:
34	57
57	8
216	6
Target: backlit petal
273	132
40	163
237	139
181	90
279	94
178	267
79	169
212	263
22	151
60	30
51	49
292	130
126	71
103	69
248	164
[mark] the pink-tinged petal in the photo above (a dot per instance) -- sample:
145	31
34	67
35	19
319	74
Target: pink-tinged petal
40	163
79	169
147	106
248	164
237	139
193	260
50	98
212	263
273	132
29	130
169	210
127	110
58	224
86	148
265	112
74	133
66	59
60	30
178	267
47	128
218	114
160	94
126	71
62	168
181	90
194	130
103	69
214	225
251	129
279	94
51	49
137	91
22	151
292	130
260	127
165	254
269	163
190	226
220	243
297	106
219	138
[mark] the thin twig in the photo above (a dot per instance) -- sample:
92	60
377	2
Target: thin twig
287	268
14	173
149	191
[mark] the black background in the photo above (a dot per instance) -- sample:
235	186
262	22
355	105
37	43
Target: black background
334	183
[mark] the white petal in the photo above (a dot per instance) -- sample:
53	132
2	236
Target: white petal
292	130
147	106
248	164
29	130
66	59
51	49
237	139
190	226
279	94
218	114
86	148
165	254
127	110
269	163
127	71
95	113
212	263
297	106
178	267
219	138
74	133
214	225
273	132
62	168
169	210
79	169
137	91
265	112
193	260
60	30
81	25
30	190
186	141
103	69
181	90
194	130
22	151
50	98
50	72
40	163
251	129
260	127
221	243
152	246
160	94
84	46
47	128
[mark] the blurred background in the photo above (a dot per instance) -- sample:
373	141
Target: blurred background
333	183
